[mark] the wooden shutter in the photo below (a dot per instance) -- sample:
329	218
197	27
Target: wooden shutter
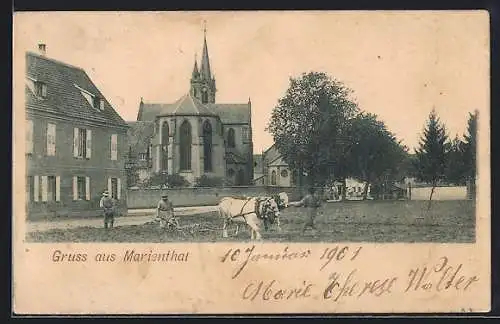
58	188
76	141
44	188
75	188
114	147
51	139
87	188
110	187
89	144
36	189
118	189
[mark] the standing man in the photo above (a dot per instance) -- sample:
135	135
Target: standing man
164	211
107	205
311	202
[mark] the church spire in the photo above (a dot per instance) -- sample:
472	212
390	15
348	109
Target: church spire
205	61
196	73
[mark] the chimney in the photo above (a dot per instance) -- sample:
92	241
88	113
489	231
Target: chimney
42	49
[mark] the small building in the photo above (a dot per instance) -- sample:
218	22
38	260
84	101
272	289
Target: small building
271	170
75	141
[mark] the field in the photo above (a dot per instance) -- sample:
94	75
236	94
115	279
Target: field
372	221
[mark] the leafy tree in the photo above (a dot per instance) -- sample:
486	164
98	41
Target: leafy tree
430	163
131	170
309	125
374	153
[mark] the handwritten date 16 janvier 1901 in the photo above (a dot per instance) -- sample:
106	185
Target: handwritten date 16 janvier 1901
242	257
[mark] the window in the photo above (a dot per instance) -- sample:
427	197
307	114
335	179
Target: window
97	102
29	136
230	138
51	139
40	89
114	187
81	188
114	147
273	178
245	134
207	146
50	186
230	172
30	188
204	96
101	104
143	156
284	173
82	143
164	146
185	146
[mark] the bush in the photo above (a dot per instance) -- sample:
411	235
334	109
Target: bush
167	180
207	181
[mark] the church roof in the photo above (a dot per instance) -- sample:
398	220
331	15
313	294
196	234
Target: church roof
188	105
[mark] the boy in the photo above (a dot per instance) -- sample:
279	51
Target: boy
165	211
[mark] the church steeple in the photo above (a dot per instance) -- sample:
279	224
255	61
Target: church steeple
205	60
202	80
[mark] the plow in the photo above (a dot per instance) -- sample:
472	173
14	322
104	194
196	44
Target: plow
173	225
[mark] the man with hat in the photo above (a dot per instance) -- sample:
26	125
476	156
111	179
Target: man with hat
107	205
311	202
164	211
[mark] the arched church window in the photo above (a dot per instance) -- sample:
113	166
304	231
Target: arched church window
164	146
230	172
273	178
185	146
230	138
207	146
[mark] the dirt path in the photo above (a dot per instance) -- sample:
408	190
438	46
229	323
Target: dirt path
135	217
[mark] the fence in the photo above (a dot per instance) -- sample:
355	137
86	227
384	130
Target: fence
186	197
440	193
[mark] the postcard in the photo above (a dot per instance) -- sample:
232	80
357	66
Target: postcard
251	162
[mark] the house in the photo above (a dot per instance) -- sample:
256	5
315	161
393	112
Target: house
75	141
197	136
271	170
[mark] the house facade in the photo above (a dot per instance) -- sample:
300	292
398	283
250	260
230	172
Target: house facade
194	136
272	170
75	141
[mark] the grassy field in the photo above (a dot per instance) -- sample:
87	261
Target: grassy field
368	221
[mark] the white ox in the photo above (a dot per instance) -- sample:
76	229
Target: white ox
251	211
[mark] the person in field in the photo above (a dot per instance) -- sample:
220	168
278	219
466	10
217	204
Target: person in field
108	206
165	212
311	203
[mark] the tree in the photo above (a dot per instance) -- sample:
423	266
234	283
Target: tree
469	151
430	163
309	125
455	167
168	180
373	151
209	181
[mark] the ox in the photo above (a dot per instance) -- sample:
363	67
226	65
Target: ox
250	211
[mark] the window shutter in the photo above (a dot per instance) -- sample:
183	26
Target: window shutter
44	90
58	188
76	141
114	146
36	190
29	136
51	139
89	144
75	188
118	189
87	188
110	187
44	188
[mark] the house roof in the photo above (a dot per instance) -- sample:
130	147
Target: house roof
139	135
189	105
64	91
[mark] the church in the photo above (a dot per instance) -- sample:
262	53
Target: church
194	136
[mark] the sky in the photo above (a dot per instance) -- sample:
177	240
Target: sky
400	65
